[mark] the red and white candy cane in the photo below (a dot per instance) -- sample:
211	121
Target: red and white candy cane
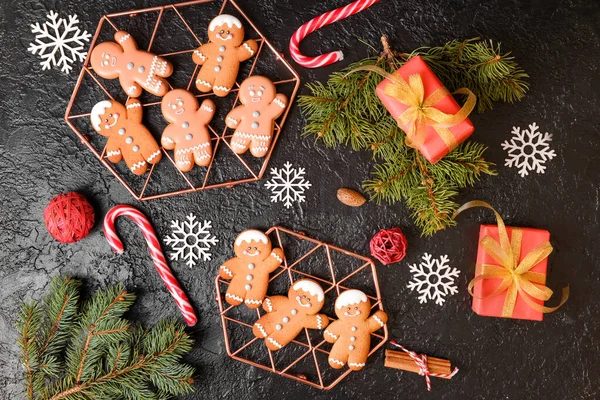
421	361
155	251
319	22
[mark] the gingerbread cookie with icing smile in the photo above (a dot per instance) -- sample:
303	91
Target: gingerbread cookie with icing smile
221	57
351	333
187	132
287	316
128	138
254	120
249	270
136	69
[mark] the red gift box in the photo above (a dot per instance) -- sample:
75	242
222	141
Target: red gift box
434	146
492	306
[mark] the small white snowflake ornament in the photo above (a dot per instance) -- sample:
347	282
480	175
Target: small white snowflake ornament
433	279
287	185
528	150
59	42
190	240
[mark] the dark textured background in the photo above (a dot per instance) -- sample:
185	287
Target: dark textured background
557	44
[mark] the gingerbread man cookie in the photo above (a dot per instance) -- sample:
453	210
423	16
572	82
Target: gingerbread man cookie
220	58
128	138
254	120
136	69
287	316
187	132
249	270
351	333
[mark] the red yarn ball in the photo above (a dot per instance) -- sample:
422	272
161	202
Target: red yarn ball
69	217
389	246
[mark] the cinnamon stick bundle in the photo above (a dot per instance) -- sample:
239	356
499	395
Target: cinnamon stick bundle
401	360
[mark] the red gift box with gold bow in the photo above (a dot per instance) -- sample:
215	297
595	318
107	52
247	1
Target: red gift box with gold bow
510	274
435	124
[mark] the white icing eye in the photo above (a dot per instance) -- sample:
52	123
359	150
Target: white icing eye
259	93
180	103
107	56
356	308
251	93
173	106
221	31
227	32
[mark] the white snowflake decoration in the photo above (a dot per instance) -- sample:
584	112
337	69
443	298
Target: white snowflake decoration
59	42
191	240
287	185
528	150
433	279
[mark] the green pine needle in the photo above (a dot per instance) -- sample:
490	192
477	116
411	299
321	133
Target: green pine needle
88	352
346	111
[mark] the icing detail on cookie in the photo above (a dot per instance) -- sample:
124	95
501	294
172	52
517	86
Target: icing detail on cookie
238	145
234	121
131	89
153	155
113	153
251	235
379	321
137	165
279	346
253	136
356	364
133	105
167	140
327	332
204	83
250	301
207	108
249	48
230	20
191	149
279	103
350	297
234	297
227	270
97	111
269	304
184	163
124	38
274	255
311	287
222	88
338	362
260	149
319	322
261	329
199	54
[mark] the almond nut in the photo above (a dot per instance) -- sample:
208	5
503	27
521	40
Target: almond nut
350	197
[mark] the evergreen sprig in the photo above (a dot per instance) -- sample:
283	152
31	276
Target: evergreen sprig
91	352
346	111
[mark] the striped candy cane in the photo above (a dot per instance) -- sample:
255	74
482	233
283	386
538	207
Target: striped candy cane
155	251
319	22
421	361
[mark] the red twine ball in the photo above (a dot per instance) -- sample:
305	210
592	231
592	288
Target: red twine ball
69	217
389	246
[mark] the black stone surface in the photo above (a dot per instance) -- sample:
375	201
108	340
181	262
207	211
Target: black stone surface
557	44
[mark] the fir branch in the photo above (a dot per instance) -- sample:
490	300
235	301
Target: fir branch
346	111
106	356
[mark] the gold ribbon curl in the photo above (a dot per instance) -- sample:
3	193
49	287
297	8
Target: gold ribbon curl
421	111
517	279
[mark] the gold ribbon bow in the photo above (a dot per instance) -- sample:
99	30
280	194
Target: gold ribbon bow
517	279
421	112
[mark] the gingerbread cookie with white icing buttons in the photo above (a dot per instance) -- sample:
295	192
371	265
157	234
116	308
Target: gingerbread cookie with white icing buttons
128	138
187	132
249	270
220	58
254	120
287	316
351	333
136	69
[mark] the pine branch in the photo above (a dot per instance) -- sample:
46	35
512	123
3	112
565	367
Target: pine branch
346	111
106	356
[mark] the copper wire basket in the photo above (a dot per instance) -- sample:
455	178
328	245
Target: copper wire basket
305	359
189	21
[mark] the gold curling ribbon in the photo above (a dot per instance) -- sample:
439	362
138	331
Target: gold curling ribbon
421	112
517	279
